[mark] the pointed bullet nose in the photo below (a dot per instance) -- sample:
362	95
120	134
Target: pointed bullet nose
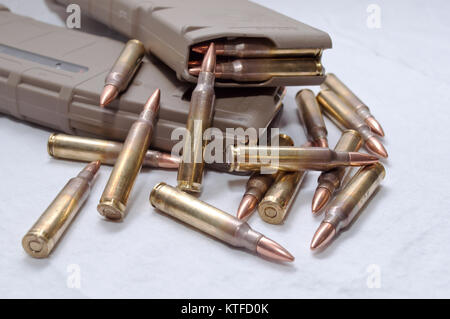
200	48
153	101
270	249
323	235
246	207
322	142
204	47
321	197
194	71
96	165
90	170
93	167
361	159
192	64
375	146
108	95
209	61
374	125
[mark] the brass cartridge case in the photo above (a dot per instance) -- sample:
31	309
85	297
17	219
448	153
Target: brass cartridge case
254	70
345	117
277	201
87	149
190	172
256	48
346	205
122	71
285	158
117	191
40	240
203	216
331	180
333	83
312	118
126	65
211	220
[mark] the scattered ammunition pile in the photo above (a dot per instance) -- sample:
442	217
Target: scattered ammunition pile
272	194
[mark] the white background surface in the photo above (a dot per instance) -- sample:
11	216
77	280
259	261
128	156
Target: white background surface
400	70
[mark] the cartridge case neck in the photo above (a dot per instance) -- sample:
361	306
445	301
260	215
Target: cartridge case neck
258	184
331	180
206	78
247	237
362	110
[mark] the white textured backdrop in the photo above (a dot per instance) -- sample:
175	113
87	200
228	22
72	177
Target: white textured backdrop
401	70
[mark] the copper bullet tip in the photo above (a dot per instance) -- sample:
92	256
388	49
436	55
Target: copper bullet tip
323	235
204	47
375	146
196	63
96	164
200	48
153	101
374	125
109	93
247	206
93	167
268	248
194	71
308	144
321	142
321	197
90	170
168	161
209	61
361	159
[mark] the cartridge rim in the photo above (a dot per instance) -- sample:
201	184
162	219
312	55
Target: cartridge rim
152	197
271	212
51	144
378	167
112	209
36	245
303	90
285	140
352	131
136	41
